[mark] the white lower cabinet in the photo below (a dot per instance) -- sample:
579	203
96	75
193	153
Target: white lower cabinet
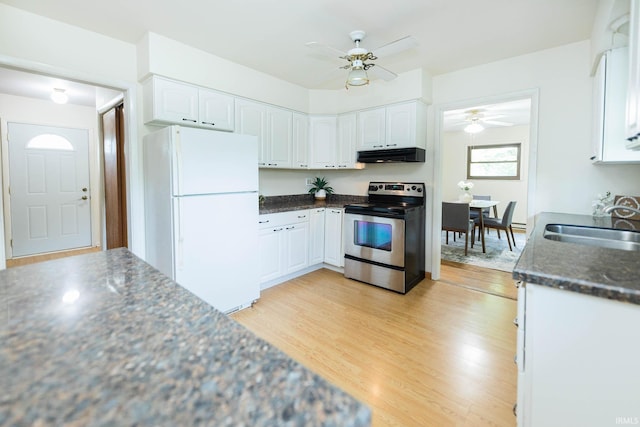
333	248
577	359
284	242
316	236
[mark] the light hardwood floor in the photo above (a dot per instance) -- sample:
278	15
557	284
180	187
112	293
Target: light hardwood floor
16	262
441	355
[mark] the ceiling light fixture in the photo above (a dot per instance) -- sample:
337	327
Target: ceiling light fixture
474	127
58	96
357	76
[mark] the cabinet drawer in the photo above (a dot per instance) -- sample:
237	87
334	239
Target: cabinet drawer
283	218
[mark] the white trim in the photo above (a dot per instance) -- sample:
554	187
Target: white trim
439	111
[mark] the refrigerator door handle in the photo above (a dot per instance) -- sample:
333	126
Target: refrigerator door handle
180	237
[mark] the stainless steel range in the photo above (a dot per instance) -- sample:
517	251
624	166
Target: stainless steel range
384	238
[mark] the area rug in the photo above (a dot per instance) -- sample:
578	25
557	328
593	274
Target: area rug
497	257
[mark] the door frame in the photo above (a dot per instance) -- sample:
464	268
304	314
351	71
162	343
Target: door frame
436	212
133	158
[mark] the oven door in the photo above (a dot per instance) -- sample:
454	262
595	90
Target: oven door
374	238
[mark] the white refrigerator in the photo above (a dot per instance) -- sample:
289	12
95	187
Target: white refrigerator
201	212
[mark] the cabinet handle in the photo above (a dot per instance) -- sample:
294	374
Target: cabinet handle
515	321
515	358
302	216
291	228
84	197
329	166
208	123
392	145
518	284
277	229
189	120
378	146
515	409
263	222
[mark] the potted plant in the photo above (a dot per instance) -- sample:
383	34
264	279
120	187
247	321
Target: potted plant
320	188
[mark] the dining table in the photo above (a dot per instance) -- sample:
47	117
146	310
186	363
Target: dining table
479	206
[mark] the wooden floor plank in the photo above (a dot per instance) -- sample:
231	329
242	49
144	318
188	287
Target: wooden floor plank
442	355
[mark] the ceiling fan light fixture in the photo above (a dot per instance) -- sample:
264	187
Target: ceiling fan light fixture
357	76
474	127
58	96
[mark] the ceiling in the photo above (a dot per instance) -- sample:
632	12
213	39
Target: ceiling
503	114
270	36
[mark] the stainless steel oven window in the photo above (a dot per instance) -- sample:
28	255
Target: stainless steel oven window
375	239
373	235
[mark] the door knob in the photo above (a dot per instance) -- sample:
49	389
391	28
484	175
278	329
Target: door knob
84	197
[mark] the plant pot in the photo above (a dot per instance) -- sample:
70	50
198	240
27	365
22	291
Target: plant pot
321	194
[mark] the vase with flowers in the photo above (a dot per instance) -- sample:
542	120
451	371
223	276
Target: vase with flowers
466	187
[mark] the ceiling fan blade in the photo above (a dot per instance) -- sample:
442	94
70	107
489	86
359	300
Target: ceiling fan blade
499	116
493	122
326	50
394	47
381	73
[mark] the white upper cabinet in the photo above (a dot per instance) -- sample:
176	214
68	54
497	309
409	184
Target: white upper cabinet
272	126
170	102
251	119
323	142
609	94
632	130
347	142
280	137
401	125
216	110
371	129
300	155
394	126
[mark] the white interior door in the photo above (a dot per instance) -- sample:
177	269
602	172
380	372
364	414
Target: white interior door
49	188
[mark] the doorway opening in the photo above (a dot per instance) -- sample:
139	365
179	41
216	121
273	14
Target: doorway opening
92	97
509	120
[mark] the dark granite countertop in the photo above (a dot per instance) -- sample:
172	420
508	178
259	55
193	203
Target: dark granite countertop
602	272
297	202
135	348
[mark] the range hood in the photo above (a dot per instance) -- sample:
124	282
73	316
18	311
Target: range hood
394	155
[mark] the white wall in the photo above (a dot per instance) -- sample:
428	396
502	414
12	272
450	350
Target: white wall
39	112
454	167
567	181
163	56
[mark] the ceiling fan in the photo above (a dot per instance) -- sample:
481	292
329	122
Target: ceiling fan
359	58
475	118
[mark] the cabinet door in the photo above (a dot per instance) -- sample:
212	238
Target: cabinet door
271	244
300	151
633	88
401	125
347	154
174	102
251	119
323	142
316	236
216	110
371	129
297	252
333	249
279	140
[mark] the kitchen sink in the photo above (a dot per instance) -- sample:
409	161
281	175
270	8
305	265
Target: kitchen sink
593	236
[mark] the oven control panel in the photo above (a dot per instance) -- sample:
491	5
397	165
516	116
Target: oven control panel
413	189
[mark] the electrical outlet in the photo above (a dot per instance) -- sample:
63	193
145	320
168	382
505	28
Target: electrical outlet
307	182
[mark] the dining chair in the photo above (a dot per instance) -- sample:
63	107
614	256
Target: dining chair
486	211
503	223
455	217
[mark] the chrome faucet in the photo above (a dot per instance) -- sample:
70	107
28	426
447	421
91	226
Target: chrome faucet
610	209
